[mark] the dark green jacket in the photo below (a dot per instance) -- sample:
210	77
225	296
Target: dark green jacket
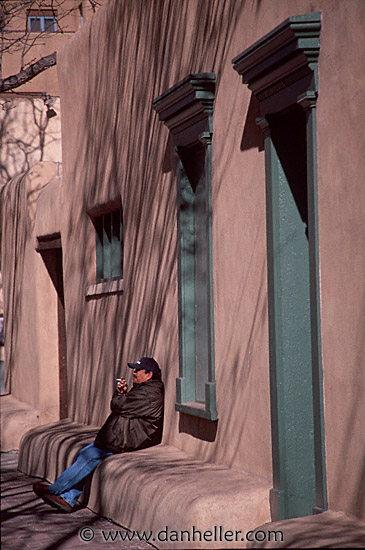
136	419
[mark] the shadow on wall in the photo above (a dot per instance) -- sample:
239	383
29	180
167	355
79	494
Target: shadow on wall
252	134
120	148
18	202
13	242
200	428
27	135
354	418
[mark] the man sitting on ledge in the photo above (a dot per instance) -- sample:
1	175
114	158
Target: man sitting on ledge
135	423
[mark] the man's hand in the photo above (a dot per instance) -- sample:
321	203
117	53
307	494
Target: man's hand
122	386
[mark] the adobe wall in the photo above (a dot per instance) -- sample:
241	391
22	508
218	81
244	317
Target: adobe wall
31	353
28	136
341	196
33	46
114	145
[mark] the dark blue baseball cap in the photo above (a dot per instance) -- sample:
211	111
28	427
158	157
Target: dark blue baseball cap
146	363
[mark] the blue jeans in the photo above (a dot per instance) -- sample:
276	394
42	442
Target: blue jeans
70	483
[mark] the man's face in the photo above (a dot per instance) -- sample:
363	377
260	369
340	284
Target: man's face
141	375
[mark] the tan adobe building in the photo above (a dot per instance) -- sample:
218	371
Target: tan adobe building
209	214
30	114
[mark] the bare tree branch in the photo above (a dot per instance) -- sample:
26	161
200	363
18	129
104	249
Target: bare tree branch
27	74
16	36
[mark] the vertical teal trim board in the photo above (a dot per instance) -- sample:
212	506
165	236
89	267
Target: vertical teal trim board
308	103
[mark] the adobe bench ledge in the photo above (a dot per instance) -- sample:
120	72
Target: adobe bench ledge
154	488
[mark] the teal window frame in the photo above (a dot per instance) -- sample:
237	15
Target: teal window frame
109	245
192	137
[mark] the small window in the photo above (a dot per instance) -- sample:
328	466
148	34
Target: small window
109	246
42	23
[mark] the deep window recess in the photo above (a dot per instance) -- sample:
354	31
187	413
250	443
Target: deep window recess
45	22
109	246
281	71
194	260
187	110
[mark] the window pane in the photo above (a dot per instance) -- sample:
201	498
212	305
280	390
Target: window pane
107	236
187	285
109	245
116	244
34	24
99	248
50	24
201	292
41	23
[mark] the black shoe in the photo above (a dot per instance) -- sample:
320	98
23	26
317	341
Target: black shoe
57	502
41	488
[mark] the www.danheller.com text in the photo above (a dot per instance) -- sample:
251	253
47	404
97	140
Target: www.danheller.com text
217	534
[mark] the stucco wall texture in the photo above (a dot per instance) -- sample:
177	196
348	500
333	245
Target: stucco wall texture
30	299
341	207
109	74
27	135
114	146
35	45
